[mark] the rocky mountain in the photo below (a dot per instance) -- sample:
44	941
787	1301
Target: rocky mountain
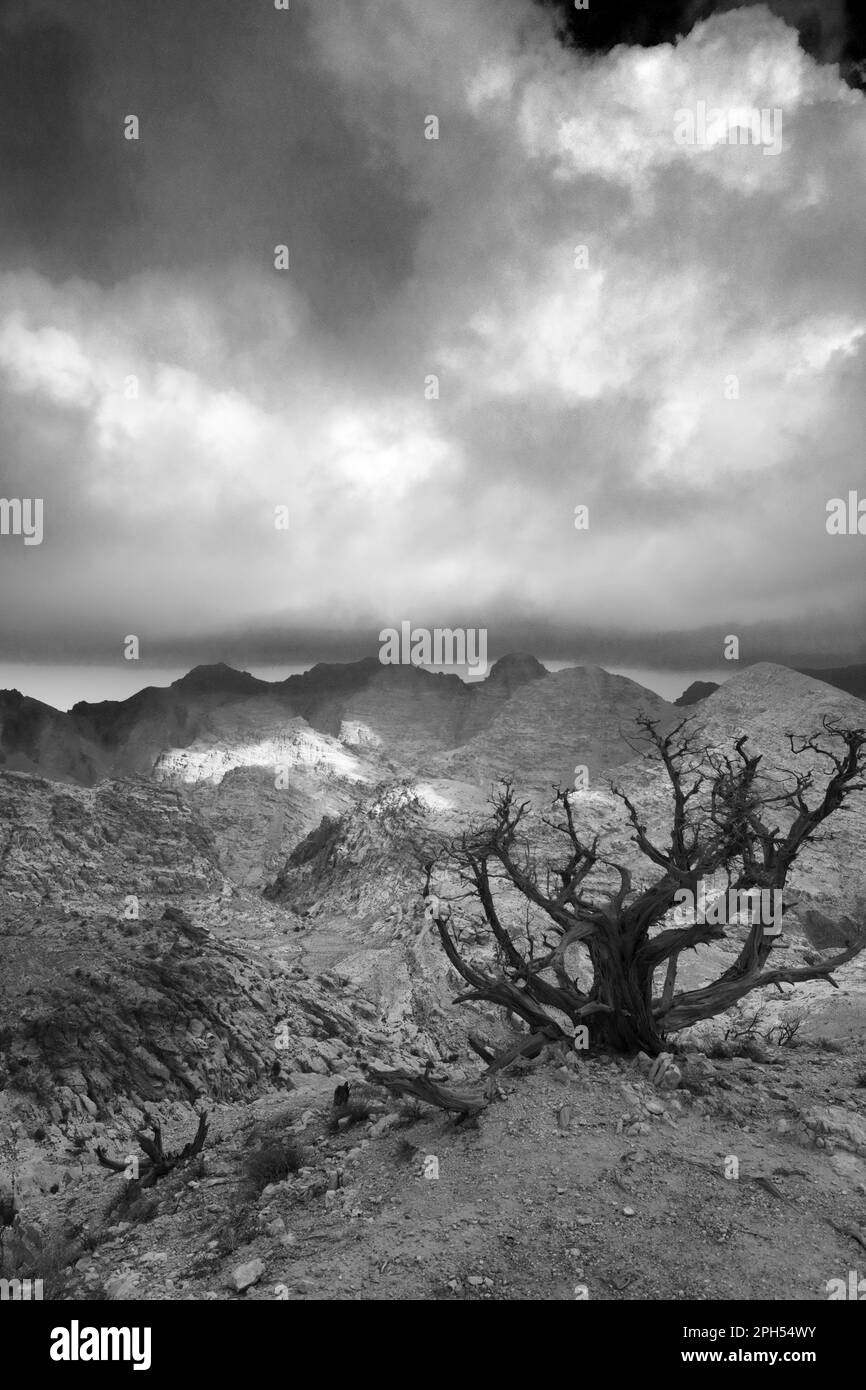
851	679
770	701
255	766
581	716
263	761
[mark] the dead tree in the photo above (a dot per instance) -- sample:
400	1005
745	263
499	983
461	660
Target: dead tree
723	813
157	1163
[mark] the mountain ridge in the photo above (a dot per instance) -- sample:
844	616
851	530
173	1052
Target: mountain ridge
398	717
128	737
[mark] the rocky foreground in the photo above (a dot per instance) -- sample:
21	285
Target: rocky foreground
581	1181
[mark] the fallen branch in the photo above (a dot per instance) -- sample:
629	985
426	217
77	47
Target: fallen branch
405	1083
158	1163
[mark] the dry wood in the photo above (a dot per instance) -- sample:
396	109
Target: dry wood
158	1163
404	1083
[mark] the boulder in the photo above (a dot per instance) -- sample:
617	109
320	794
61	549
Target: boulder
246	1275
833	1127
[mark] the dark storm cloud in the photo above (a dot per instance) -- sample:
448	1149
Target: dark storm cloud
602	386
244	145
59	186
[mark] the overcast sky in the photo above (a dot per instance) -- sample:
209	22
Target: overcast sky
606	385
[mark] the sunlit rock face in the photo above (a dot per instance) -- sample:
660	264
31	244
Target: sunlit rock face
266	742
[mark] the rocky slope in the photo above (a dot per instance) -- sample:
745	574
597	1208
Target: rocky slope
77	846
579	716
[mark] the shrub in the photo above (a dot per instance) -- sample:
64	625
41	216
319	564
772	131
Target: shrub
237	1229
744	1025
787	1029
273	1161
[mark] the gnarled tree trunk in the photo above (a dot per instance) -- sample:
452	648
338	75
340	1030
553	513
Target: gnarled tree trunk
718	806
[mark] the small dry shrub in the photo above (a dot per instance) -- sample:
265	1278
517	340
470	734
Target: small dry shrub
273	1160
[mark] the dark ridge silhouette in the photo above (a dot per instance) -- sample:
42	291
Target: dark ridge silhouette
698	690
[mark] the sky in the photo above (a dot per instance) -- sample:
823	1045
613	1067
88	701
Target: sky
439	378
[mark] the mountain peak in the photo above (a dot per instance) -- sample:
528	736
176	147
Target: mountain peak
218	677
517	667
762	675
